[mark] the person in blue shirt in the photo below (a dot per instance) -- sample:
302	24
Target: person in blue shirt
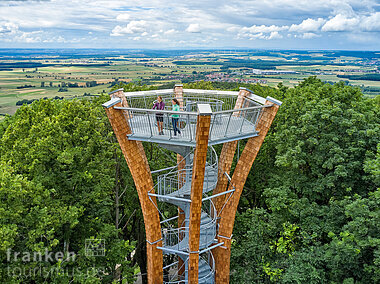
175	117
159	105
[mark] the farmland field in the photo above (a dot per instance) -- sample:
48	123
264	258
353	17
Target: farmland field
26	76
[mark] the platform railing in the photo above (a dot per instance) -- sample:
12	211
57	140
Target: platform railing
230	123
235	122
144	123
146	99
189	103
173	236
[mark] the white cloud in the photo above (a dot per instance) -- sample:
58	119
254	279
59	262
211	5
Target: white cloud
59	39
8	28
10	32
264	29
371	23
27	37
261	32
307	35
133	27
117	31
170	32
194	28
340	23
355	23
123	17
309	25
228	22
274	35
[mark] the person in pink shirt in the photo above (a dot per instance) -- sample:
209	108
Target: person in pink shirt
159	105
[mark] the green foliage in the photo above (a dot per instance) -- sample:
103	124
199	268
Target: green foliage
308	214
131	87
199	85
369	77
58	164
287	242
330	129
316	177
252	257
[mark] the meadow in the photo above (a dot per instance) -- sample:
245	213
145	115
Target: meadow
25	77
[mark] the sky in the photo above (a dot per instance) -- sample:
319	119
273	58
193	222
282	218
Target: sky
187	24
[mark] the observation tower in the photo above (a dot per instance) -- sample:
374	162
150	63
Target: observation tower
189	207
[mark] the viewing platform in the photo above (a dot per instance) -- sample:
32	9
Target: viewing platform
231	118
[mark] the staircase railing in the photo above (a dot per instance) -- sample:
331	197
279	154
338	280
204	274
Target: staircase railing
174	180
171	183
210	261
177	238
206	259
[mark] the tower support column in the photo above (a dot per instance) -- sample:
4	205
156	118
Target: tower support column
227	156
227	218
178	93
200	155
134	154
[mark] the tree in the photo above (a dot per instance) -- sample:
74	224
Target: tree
315	183
131	87
199	85
57	184
331	129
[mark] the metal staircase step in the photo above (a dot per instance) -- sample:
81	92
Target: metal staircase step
206	237
167	191
205	273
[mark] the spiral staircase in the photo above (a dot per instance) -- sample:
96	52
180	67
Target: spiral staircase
174	187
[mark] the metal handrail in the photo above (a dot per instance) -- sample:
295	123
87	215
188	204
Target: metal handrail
212	266
233	123
210	262
155	110
169	183
191	112
174	236
141	101
240	109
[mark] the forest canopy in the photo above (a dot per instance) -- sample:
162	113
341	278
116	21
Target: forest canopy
309	212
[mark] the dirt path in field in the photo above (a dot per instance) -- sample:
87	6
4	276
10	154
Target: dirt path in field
30	90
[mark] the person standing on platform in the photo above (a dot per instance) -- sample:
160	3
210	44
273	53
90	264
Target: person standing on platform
175	117
159	105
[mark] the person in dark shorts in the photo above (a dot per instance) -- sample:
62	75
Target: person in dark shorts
159	105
